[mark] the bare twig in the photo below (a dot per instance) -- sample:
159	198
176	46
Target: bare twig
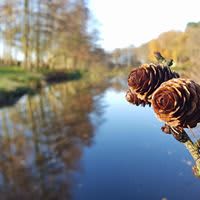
162	60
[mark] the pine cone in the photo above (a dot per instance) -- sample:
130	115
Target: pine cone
131	97
177	102
147	78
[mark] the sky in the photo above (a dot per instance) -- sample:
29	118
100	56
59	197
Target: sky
122	23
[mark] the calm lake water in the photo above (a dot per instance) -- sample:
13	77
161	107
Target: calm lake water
81	141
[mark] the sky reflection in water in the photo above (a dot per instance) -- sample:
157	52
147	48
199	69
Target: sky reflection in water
75	141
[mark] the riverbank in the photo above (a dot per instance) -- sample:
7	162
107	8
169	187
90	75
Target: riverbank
16	82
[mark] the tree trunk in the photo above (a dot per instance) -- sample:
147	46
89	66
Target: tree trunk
26	34
38	36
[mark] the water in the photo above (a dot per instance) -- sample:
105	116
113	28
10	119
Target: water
82	141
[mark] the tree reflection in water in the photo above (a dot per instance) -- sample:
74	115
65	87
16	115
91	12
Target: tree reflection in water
42	140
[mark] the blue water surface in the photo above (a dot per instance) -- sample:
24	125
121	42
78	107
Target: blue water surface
74	141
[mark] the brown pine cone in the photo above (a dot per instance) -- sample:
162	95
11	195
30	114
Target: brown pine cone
131	97
147	78
177	102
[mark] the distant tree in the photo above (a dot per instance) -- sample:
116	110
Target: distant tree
26	32
49	33
9	28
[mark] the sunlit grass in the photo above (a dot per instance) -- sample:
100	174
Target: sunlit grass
15	81
12	78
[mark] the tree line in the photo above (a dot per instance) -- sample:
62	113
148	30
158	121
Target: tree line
48	33
182	46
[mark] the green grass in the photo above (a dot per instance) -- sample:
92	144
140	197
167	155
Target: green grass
15	81
12	78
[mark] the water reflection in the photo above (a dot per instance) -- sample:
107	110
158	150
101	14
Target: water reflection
42	140
53	146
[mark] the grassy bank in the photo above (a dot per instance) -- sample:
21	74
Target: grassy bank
15	81
12	78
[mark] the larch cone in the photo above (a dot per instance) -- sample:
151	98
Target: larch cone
132	97
177	103
145	79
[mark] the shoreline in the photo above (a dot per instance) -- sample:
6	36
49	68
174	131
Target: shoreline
16	82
